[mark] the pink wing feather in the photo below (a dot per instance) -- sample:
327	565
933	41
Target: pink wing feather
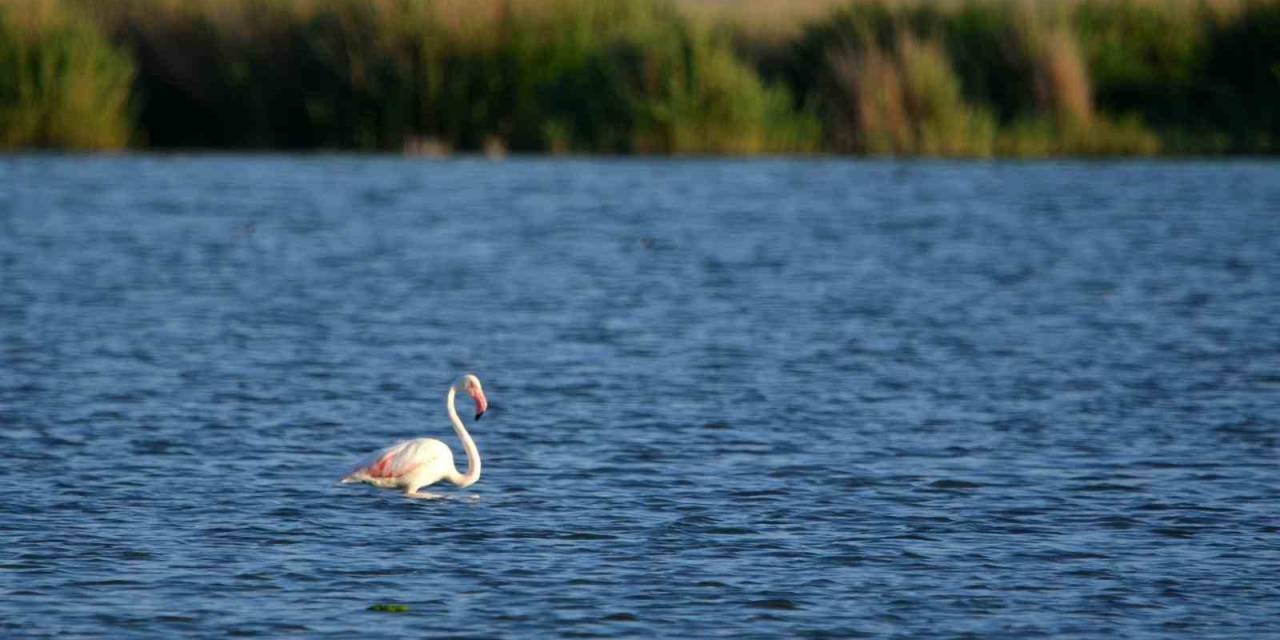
394	461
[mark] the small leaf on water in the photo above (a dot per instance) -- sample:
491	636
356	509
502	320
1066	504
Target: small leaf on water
389	608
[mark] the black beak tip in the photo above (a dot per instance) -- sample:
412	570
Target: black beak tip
479	414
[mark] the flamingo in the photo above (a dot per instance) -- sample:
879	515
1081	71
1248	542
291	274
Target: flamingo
413	464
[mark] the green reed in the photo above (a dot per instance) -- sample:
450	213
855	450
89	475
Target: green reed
563	76
62	84
906	77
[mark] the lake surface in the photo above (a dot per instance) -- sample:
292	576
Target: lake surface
729	399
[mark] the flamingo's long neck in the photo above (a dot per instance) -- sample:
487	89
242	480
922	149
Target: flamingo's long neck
469	445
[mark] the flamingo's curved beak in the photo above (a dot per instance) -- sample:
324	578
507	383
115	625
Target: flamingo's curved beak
482	404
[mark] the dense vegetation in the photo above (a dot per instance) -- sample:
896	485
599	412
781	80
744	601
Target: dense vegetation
933	77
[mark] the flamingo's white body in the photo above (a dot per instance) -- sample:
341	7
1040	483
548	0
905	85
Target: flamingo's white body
413	464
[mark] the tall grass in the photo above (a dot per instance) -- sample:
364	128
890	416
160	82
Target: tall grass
61	83
931	77
1079	77
562	76
971	78
903	100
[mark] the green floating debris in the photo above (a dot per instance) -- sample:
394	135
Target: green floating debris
389	608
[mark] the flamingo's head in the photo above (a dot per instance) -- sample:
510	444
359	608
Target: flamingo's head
471	386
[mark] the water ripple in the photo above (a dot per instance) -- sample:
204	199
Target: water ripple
812	398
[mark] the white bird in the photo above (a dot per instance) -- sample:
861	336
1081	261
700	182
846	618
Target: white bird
413	464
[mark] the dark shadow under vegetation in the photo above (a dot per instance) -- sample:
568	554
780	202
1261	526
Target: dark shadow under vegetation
908	77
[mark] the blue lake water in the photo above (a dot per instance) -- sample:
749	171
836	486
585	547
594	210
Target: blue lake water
813	398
